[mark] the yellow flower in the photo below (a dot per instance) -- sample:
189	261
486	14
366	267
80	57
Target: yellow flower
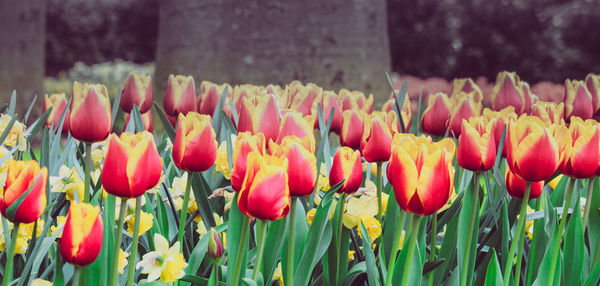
40	282
123	261
310	216
356	207
99	152
222	162
228	198
68	181
201	229
22	240
277	275
146	220
26	230
17	134
555	181
351	255
372	225
178	191
323	183
402	235
165	262
60	221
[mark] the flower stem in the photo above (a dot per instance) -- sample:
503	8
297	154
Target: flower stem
8	270
289	273
134	243
395	246
517	242
114	273
261	233
87	172
379	188
464	271
533	248
588	201
410	252
184	208
216	273
237	274
432	246
76	276
522	232
340	223
561	227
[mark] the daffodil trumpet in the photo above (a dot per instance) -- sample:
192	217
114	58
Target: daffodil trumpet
261	233
561	227
473	225
114	273
8	270
518	239
134	243
184	207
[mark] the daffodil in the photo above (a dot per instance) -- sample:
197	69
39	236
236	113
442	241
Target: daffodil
201	229
67	181
99	150
554	182
222	161
277	275
146	220
178	191
60	221
323	183
17	135
123	261
40	282
165	263
357	207
310	216
372	225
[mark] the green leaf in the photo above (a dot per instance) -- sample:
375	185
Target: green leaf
26	117
447	251
417	261
593	225
7	129
276	235
543	275
199	251
234	232
372	272
13	103
493	275
136	116
115	106
165	121
390	223
356	270
37	125
463	225
300	231
201	193
574	247
594	276
216	114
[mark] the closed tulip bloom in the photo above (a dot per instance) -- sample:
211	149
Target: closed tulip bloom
434	120
578	100
466	85
592	82
215	246
305	98
294	124
137	91
91	118
58	102
346	166
515	186
352	128
501	119
195	146
302	165
180	96
329	103
244	144
24	196
132	165
579	146
508	92
355	100
422	175
259	114
265	193
377	138
532	151
476	145
549	112
465	106
81	240
146	119
210	93
529	97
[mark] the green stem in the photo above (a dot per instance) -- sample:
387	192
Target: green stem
588	201
395	246
184	208
87	172
379	188
237	274
216	272
433	243
134	243
410	252
561	227
76	276
522	235
261	233
8	270
340	225
534	246
516	242
114	273
289	273
464	271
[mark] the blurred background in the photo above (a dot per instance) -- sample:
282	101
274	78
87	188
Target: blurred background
45	45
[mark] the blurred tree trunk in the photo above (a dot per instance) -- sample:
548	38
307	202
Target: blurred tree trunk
22	42
335	44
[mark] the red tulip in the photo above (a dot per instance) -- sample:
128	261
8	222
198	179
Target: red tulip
137	91
476	145
500	119
376	142
406	112
244	144
466	85
578	100
434	120
346	166
195	138
302	165
355	100
210	94
549	112
259	114
91	118
516	186
146	119
25	187
304	98
294	124
329	103
58	102
352	128
508	92
81	240
180	96
465	107
579	147
592	82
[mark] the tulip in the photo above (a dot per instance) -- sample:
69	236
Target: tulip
294	124
24	196
240	92
515	186
464	108
529	97
476	145
330	103
352	128
406	111
210	94
137	91
180	96
195	146
132	165
91	118
466	85
305	98
146	119
58	102
549	112
244	144
346	166
434	120
501	119
578	100
355	100
259	114
580	147
302	165
82	235
215	247
532	152
508	92
592	82
376	139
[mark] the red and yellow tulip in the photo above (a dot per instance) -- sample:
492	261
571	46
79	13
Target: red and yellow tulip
592	82
578	100
515	186
355	100
302	165
549	112
406	111
580	147
146	119
24	196
465	106
294	124
91	117
210	93
329	103
346	166
259	113
508	92
195	146
476	145
58	102
466	85
352	128
81	240
244	144
137	91
180	96
304	98
434	120
376	142
501	119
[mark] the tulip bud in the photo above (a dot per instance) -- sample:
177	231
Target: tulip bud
294	124
579	147
549	112
421	173
466	85
302	165
259	113
146	119
180	96
91	118
215	247
352	128
592	82
329	103
265	193
210	94
58	102
434	120
81	240
515	186
132	165
195	138
24	196
578	100
464	108
508	92
376	141
244	144
137	91
346	166
476	145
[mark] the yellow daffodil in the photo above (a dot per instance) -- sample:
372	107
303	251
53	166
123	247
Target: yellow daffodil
17	134
310	216
372	225
201	229
277	275
99	153
323	183
178	191
365	205
222	161
351	255
123	261
60	221
554	182
146	220
228	198
40	282
165	263
67	181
